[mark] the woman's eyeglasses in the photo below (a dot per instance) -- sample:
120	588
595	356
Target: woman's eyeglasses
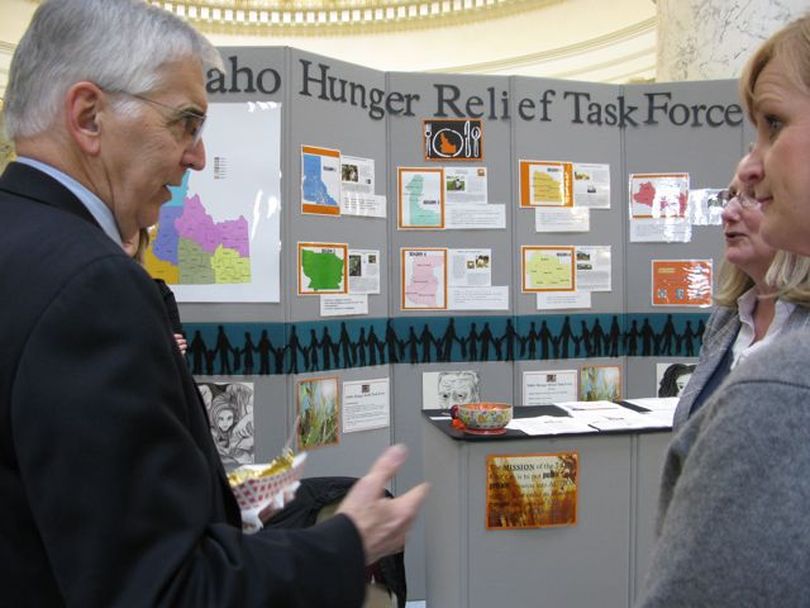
746	201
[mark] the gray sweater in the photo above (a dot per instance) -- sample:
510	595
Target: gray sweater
734	514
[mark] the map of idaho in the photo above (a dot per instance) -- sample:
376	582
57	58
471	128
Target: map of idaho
191	248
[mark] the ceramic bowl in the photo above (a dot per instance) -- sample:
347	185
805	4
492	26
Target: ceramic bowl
485	416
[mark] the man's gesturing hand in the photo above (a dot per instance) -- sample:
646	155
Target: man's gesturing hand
382	522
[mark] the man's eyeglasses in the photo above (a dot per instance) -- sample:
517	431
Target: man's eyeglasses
746	201
192	122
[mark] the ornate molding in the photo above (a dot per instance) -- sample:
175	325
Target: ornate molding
339	17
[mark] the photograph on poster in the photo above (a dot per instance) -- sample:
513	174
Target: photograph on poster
364	271
230	414
531	490
547	268
423	279
592	185
469	267
420	198
366	405
218	239
682	283
465	185
442	390
453	139
705	207
672	378
600	383
320	181
323	268
549	387
594	268
357	188
318	412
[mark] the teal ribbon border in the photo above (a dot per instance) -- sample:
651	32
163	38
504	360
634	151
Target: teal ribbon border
252	349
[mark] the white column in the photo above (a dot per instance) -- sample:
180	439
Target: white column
712	39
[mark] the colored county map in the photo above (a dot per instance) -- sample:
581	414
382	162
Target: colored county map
673	195
549	270
314	189
324	270
421	212
545	188
190	248
424	283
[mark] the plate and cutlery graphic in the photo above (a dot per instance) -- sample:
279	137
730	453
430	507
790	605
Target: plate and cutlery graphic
453	139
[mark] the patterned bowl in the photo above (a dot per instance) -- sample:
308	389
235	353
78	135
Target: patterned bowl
485	416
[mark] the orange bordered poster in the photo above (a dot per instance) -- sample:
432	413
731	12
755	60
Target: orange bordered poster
682	283
532	490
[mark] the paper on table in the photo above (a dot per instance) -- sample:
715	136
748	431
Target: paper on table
549	425
660	418
639	421
590	406
655	404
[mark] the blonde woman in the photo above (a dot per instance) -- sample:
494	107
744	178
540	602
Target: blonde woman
168	296
732	526
749	315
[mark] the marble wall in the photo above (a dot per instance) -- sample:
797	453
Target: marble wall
712	39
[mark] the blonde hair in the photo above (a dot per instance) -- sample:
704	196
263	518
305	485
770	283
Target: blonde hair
788	276
143	243
792	45
731	284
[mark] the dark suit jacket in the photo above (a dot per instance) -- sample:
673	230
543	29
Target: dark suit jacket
721	332
111	490
171	307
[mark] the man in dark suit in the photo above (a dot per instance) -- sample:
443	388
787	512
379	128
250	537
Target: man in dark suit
112	491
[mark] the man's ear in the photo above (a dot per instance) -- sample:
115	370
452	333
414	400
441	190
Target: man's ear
85	104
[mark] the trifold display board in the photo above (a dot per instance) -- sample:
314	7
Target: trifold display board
550	267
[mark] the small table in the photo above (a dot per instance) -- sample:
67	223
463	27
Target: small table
600	561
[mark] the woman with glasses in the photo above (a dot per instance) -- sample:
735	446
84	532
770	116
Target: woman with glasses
733	511
747	316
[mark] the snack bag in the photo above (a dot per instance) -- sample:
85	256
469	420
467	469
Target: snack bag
263	489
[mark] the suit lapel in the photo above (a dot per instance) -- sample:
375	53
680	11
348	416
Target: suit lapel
27	182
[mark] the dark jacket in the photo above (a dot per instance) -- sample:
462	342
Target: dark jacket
112	490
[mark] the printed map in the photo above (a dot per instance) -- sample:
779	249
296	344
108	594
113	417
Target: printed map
218	238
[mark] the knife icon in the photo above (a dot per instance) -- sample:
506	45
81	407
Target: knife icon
467	139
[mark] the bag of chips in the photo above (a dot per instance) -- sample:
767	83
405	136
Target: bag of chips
263	489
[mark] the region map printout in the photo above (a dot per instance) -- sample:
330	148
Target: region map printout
322	268
424	279
218	238
421	198
659	195
320	180
546	183
548	269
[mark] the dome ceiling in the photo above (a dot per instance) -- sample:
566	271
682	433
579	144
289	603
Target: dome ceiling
336	17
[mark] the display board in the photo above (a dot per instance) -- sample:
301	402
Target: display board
485	224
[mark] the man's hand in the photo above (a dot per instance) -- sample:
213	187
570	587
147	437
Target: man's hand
382	522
